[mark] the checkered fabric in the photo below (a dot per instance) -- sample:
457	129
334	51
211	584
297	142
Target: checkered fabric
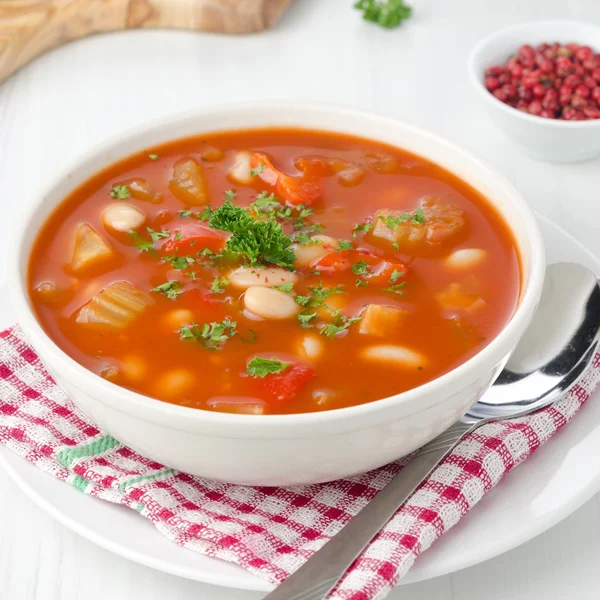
269	531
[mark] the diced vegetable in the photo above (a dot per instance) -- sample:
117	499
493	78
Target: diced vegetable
245	277
351	175
237	404
191	238
174	383
211	153
437	222
270	303
386	164
188	183
295	190
335	262
395	355
308	254
466	258
142	189
286	385
91	250
240	171
381	320
388	272
115	307
123	217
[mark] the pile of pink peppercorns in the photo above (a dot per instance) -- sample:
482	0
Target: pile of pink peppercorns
556	81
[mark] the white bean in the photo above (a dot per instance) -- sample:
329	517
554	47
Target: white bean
240	170
244	277
123	217
175	319
134	367
174	383
398	355
307	255
310	346
269	303
466	258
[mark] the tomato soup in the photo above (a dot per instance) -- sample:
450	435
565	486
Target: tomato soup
273	271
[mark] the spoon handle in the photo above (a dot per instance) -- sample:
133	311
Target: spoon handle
319	575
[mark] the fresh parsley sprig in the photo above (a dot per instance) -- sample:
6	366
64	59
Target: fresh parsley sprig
261	367
388	14
211	335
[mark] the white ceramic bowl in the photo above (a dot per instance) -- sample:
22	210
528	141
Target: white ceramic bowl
282	449
544	139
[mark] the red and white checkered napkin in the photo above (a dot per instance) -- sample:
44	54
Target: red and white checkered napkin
269	531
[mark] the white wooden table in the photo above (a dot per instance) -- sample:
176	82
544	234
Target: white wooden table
76	96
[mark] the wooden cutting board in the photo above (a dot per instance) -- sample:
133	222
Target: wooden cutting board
30	27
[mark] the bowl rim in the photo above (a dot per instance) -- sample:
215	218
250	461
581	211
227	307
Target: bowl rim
477	79
149	406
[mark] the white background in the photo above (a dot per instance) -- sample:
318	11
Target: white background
72	98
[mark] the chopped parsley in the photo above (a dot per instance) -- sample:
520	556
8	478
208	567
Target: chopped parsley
417	217
265	203
261	367
320	294
302	239
395	289
313	228
361	283
179	262
386	13
219	284
211	335
344	245
361	228
153	156
341	324
361	268
396	275
305	317
205	214
158	235
191	275
396	245
229	195
171	289
120	192
185	213
139	242
315	272
259	242
258	170
302	300
285	287
304	211
178	236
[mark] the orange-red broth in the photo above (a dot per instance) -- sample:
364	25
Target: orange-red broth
149	356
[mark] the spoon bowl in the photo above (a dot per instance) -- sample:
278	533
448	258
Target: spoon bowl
553	352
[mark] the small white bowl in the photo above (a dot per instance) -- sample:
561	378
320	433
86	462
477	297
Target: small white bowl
541	138
296	448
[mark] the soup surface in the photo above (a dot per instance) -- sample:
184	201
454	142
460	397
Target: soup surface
273	271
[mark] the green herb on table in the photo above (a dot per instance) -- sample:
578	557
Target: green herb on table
388	14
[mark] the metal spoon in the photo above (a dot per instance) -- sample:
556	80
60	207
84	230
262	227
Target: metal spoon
549	359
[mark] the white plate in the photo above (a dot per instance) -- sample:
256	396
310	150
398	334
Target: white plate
548	487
